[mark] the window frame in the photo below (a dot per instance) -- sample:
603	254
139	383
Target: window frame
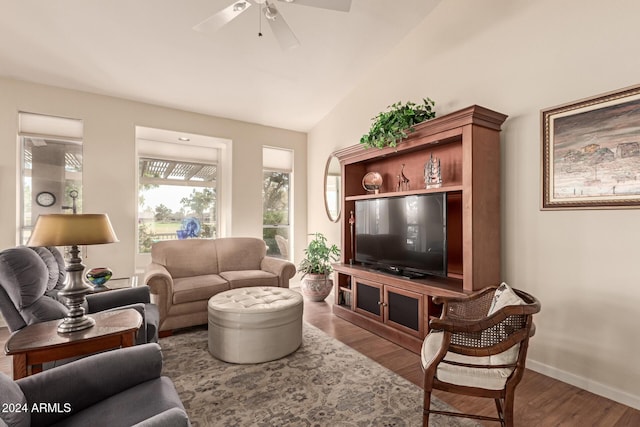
178	183
58	130
285	167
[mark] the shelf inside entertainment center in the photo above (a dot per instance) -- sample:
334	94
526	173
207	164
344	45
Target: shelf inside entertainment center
448	188
467	143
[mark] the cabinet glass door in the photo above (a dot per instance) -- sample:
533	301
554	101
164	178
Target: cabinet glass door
403	310
368	298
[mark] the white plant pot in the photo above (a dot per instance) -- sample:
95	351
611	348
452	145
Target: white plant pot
316	287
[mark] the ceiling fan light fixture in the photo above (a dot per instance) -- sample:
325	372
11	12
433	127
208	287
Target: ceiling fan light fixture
267	8
270	12
240	6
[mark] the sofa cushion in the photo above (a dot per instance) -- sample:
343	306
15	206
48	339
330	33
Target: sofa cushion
186	258
198	288
249	278
240	253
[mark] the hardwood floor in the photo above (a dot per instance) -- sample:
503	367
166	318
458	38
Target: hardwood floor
540	400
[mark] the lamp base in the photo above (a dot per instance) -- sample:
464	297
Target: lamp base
73	324
74	292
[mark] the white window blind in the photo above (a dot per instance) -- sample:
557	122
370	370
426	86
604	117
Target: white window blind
42	125
277	159
175	151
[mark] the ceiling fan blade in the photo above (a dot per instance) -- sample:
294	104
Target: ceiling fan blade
280	28
223	17
339	5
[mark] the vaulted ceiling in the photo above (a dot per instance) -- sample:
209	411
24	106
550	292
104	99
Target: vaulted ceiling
147	50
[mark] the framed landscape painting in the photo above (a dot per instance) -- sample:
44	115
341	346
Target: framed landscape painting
591	152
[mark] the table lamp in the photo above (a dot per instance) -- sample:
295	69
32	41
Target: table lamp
73	230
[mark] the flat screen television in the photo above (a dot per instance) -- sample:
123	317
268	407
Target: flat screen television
404	235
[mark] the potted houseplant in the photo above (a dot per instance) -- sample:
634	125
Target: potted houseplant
316	266
392	126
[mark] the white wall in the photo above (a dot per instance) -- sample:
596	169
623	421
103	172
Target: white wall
109	181
518	57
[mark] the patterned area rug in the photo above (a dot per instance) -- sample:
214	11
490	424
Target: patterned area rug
323	383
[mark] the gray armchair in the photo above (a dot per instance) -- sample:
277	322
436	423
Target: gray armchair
118	388
30	279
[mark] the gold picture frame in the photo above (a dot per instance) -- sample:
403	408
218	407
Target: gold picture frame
591	152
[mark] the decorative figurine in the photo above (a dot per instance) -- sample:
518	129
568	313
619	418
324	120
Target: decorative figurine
403	181
190	228
372	182
432	173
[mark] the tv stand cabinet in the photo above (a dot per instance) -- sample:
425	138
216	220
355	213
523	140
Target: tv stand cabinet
467	142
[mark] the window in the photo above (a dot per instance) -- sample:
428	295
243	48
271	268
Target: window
176	200
51	164
276	201
179	187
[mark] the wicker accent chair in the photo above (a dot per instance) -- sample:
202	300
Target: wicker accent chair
478	347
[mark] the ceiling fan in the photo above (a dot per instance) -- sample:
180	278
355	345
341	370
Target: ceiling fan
279	26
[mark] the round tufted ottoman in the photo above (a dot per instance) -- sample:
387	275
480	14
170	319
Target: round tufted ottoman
254	325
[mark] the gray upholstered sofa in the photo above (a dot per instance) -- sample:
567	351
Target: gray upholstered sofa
184	274
117	388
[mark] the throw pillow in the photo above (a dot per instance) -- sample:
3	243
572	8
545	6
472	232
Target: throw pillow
503	297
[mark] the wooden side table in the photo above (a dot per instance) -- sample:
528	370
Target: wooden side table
121	283
38	343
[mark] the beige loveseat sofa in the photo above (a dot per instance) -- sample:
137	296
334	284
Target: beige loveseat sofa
184	274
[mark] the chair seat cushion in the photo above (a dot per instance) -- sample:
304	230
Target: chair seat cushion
249	278
198	288
492	379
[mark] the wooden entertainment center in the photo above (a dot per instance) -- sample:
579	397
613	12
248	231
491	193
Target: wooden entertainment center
467	142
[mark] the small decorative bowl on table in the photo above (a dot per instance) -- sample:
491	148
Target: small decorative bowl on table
98	277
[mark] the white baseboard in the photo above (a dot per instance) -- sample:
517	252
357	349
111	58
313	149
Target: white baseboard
586	384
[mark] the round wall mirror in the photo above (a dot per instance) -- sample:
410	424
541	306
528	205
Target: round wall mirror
332	187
